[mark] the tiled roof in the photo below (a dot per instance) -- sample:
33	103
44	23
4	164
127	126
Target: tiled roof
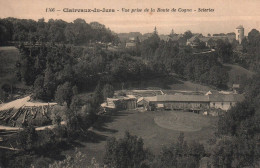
194	37
153	98
226	97
183	98
198	98
214	38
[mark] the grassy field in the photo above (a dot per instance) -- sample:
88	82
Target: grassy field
8	58
155	135
182	121
234	71
190	86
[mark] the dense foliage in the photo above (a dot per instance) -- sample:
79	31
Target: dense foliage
126	152
181	154
78	32
201	67
251	51
239	131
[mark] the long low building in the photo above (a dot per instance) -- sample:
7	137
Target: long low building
185	102
194	103
224	101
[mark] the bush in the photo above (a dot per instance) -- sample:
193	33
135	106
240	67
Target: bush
27	138
126	152
64	94
181	154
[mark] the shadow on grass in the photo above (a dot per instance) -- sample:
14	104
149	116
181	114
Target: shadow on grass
92	137
103	120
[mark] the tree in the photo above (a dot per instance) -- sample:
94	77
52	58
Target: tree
172	33
49	83
66	74
75	90
126	152
3	95
211	42
27	138
238	132
224	50
150	45
244	44
187	35
252	35
155	30
181	154
64	93
27	70
97	98
74	162
38	89
108	91
218	76
235	152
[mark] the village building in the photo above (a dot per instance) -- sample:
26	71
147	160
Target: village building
131	42
240	33
224	101
193	103
121	103
210	41
198	103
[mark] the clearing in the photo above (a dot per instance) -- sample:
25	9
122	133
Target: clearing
8	57
155	134
237	73
182	121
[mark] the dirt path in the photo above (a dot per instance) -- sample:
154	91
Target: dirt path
6	128
16	104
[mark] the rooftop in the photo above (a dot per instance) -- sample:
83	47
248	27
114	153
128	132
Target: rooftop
184	98
198	98
226	97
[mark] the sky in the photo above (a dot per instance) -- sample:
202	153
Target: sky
227	15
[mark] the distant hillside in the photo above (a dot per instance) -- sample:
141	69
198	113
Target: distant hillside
237	74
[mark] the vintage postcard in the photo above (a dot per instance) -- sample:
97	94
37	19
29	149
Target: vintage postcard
129	84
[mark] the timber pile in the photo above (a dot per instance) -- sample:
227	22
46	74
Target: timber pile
18	117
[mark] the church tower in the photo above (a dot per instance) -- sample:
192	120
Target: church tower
239	33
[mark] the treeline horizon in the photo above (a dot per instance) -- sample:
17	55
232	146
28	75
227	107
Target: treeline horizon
78	32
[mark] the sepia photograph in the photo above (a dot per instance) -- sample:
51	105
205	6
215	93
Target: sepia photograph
129	84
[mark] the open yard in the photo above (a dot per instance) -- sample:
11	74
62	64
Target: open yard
157	128
182	121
